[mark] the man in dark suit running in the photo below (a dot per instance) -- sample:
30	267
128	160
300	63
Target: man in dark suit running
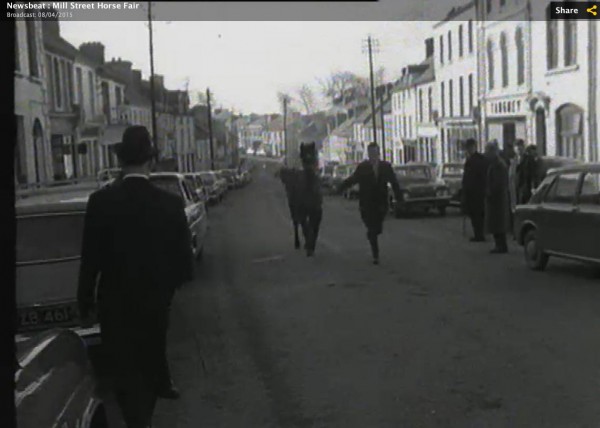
373	176
136	250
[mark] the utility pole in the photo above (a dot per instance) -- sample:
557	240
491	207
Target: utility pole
285	143
152	94
210	132
382	122
370	43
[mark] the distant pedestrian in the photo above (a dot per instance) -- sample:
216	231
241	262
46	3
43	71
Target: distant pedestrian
136	250
473	189
497	199
527	174
373	176
513	173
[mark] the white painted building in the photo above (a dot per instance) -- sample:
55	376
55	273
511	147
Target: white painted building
33	161
564	102
455	65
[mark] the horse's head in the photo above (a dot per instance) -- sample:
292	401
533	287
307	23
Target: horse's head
309	155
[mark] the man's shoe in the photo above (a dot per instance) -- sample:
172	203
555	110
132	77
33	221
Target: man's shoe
170	393
375	260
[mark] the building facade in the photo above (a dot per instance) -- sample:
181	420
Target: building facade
32	150
455	64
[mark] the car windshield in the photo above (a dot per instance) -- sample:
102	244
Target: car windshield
452	170
49	236
170	184
421	172
207	179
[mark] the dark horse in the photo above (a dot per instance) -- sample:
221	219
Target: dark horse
304	197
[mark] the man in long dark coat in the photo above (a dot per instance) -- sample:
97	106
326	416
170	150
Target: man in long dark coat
136	250
497	199
473	189
373	176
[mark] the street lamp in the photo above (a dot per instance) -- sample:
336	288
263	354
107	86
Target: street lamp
372	45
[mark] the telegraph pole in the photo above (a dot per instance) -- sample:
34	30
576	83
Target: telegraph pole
152	94
371	44
382	123
285	143
210	132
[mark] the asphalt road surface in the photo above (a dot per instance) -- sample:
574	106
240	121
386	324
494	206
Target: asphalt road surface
441	334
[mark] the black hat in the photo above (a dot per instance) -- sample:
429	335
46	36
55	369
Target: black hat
136	146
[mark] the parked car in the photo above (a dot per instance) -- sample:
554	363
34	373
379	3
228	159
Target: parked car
339	174
195	209
48	253
243	177
451	174
562	218
326	173
210	183
230	177
420	189
222	182
106	176
55	385
195	183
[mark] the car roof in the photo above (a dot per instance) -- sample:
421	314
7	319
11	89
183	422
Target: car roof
166	175
407	165
576	167
54	207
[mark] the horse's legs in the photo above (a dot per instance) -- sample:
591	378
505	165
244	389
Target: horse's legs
315	220
296	237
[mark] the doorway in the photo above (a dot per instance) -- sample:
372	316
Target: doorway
509	133
540	131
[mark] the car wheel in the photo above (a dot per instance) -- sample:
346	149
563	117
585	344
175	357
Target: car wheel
442	211
535	257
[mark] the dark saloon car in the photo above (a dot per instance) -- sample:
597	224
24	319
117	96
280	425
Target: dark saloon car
55	385
451	174
420	189
48	254
562	218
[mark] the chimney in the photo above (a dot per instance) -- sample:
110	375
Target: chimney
93	50
429	47
123	68
51	27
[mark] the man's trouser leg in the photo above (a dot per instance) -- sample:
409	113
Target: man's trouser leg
374	224
500	240
315	223
165	381
477	220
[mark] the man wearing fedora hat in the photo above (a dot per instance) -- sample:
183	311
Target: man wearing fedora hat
136	250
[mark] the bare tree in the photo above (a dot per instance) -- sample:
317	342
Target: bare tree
307	98
335	85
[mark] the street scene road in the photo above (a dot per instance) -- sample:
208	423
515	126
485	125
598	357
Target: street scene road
441	334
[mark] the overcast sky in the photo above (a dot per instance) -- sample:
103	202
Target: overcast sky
246	63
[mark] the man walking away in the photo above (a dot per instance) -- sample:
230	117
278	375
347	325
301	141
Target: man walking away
136	250
473	189
513	174
497	199
373	176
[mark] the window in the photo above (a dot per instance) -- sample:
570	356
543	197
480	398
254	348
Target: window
570	40
430	103
552	43
69	83
32	49
449	46
92	87
119	95
488	8
502	3
470	36
443	99
504	60
490	55
442	49
57	85
590	189
520	56
564	189
470	94
460	41
569	126
420	105
450	98
20	152
461	95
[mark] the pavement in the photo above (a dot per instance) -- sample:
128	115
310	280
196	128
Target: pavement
440	334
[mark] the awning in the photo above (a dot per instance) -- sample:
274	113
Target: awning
113	134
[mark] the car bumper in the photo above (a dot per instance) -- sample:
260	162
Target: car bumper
428	201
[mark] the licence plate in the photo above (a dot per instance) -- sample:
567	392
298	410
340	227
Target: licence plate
30	318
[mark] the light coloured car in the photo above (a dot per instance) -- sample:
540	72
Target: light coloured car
210	181
48	252
562	218
452	174
195	210
106	176
55	385
195	182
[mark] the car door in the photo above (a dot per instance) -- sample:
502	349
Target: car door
556	228
586	218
